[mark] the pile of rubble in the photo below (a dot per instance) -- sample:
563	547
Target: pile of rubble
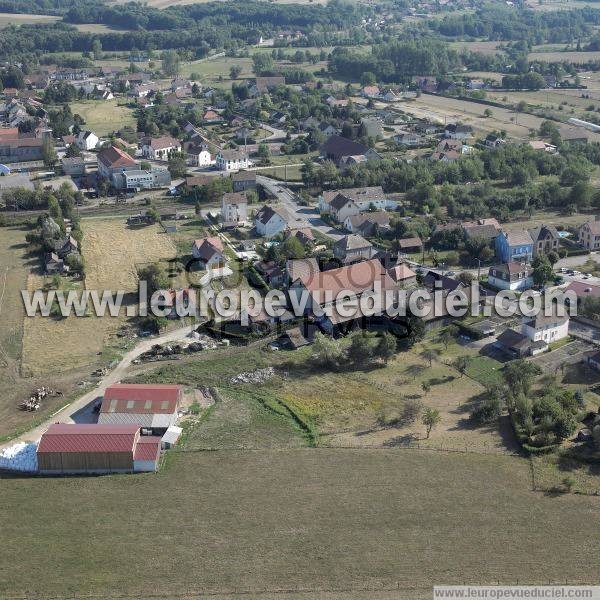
258	376
19	457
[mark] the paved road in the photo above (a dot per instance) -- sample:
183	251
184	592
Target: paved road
66	414
303	213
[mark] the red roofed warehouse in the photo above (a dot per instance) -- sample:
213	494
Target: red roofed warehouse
148	406
70	449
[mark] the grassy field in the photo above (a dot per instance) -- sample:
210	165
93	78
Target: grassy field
443	109
568	102
210	69
550	470
487	48
568	56
235	522
111	252
368	400
104	116
548	218
7	19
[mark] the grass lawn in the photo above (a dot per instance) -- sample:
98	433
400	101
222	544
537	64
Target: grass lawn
485	370
250	521
104	116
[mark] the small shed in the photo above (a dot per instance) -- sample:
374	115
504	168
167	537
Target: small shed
169	439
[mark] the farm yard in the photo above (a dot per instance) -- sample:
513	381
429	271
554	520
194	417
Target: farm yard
316	519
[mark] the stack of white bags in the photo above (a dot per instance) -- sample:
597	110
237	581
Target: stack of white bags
19	457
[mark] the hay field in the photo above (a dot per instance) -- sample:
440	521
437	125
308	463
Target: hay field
111	252
573	57
248	523
210	69
7	19
442	109
104	116
486	48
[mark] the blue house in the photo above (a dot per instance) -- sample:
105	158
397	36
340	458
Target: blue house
514	246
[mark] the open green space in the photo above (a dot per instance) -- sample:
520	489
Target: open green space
234	522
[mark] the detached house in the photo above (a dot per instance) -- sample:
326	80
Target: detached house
86	140
342	207
243	180
545	239
271	221
458	132
234	209
364	198
352	248
209	252
546	328
231	160
589	235
367	223
197	155
514	246
510	276
160	148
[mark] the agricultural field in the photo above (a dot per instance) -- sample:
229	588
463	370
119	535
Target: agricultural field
487	48
7	19
548	218
209	69
568	56
238	522
447	110
569	102
112	252
104	116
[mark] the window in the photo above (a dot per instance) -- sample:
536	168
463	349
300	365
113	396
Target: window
130	403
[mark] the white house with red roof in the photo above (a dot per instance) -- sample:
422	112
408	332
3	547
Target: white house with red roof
160	148
209	252
113	160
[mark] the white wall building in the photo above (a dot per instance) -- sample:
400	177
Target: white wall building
86	140
231	160
546	328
